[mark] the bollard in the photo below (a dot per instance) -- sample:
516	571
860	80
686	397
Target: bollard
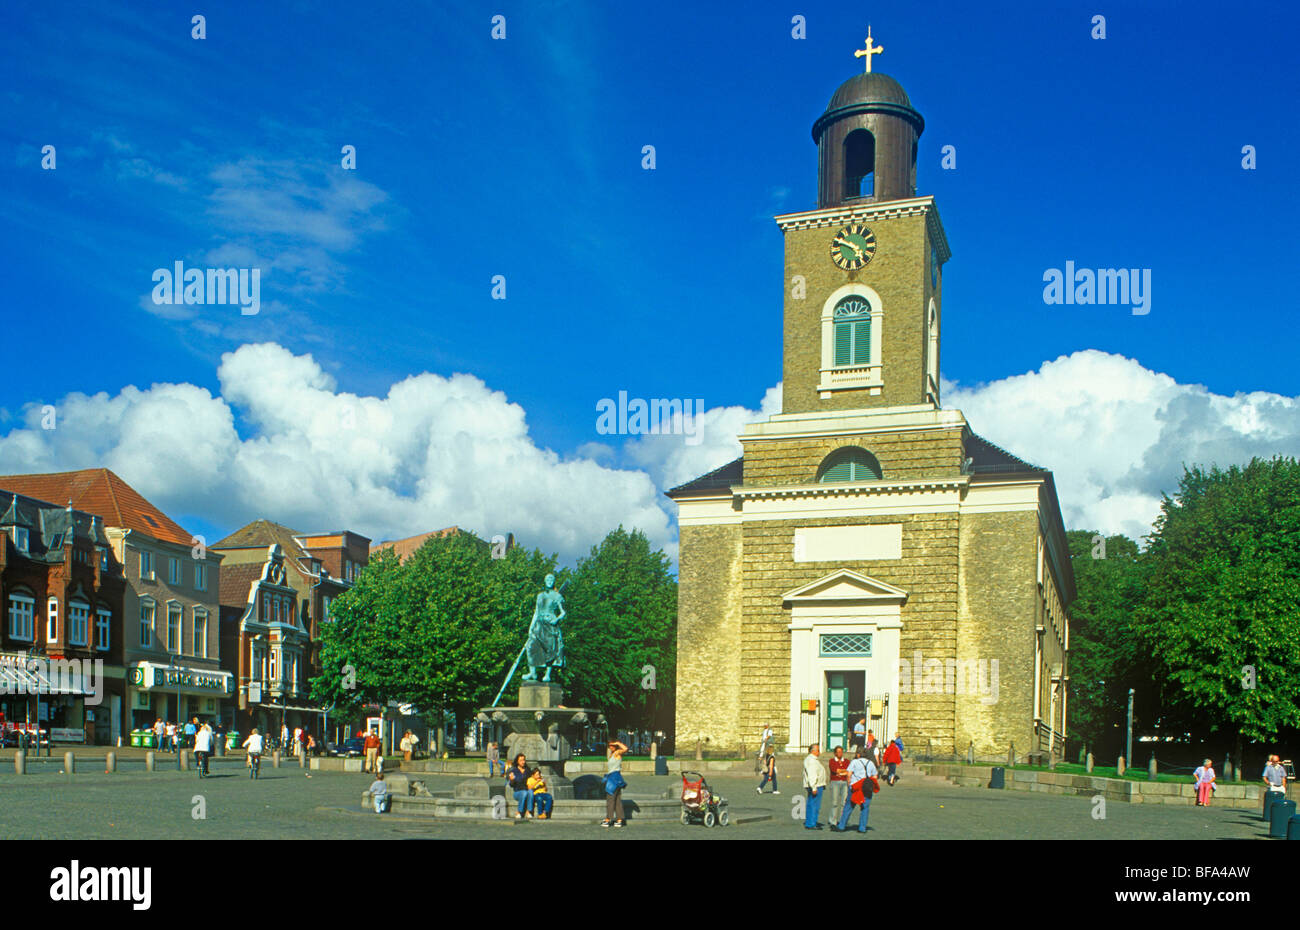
970	755
275	760
1151	768
183	760
148	761
1227	769
1119	766
20	762
302	758
1087	765
69	763
1082	752
1279	817
699	750
1011	756
654	751
1051	762
110	763
220	748
1269	798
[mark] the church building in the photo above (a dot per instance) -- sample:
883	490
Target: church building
870	555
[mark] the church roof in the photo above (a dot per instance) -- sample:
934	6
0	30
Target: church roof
716	480
872	87
986	458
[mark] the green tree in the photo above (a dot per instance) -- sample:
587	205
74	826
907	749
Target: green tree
1105	658
1221	615
431	631
621	632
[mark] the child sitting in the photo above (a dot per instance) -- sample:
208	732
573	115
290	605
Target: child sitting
542	800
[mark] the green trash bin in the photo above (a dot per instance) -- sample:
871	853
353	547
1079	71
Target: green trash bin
1293	829
232	740
148	740
135	737
998	779
1280	815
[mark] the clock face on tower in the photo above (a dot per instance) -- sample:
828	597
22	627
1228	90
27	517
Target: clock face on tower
853	247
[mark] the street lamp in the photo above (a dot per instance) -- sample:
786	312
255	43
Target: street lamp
174	663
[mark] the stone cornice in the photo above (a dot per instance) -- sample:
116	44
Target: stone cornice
845	488
890	209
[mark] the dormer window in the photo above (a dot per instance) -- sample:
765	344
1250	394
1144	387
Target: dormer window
20	538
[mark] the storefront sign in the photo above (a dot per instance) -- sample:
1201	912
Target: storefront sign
67	735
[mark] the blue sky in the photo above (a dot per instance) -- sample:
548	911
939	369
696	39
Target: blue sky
523	158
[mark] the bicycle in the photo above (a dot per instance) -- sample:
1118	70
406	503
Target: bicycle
254	764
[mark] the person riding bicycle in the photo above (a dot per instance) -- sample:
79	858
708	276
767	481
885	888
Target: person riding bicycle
254	746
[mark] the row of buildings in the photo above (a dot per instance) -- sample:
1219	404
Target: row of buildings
227	632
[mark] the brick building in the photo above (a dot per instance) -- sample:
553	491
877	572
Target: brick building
169	613
277	591
870	555
62	589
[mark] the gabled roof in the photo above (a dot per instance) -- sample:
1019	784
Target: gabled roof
99	491
259	534
846	585
49	526
719	479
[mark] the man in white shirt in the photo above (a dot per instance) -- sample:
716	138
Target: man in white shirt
764	740
862	781
203	748
814	782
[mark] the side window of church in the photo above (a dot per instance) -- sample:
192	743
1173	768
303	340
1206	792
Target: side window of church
852	331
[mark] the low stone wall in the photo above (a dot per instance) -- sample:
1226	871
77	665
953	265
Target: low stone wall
644	810
1227	794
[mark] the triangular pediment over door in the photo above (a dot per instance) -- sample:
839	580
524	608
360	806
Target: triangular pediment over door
845	586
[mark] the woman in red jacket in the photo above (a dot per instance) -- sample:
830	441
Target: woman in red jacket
892	759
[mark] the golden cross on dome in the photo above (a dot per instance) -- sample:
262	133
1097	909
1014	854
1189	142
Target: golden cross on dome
868	51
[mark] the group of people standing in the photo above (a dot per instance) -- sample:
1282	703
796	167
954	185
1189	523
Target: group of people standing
851	782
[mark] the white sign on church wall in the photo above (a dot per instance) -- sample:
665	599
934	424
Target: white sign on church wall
848	543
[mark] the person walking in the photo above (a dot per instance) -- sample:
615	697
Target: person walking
769	772
1274	778
405	746
814	783
372	746
191	731
203	748
159	731
614	784
859	734
1204	777
893	758
873	750
839	784
171	738
862	785
764	740
284	737
517	779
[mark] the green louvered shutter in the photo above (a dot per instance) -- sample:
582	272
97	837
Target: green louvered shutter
841	471
862	342
843	336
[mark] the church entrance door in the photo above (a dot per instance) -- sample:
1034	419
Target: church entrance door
844	690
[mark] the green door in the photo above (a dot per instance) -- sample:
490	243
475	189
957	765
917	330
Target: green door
837	711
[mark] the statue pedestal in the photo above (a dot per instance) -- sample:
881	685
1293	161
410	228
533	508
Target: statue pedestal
537	694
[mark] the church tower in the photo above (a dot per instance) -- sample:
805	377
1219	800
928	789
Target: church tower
869	557
863	270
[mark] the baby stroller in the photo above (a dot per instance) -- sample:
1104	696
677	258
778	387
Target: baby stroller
700	804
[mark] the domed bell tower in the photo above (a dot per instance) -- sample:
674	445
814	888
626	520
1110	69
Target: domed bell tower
863	269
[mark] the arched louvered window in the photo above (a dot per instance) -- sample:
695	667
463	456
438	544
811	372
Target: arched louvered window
852	331
851	463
